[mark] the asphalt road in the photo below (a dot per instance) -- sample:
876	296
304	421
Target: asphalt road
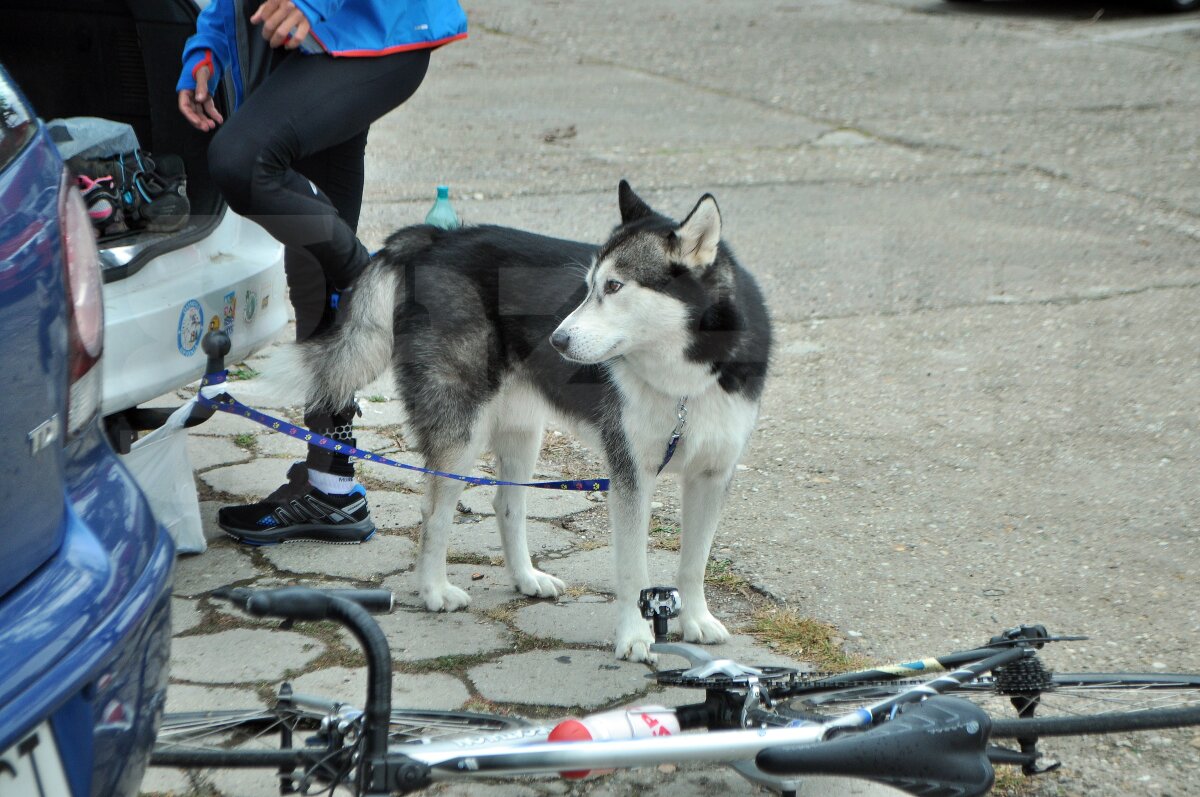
978	226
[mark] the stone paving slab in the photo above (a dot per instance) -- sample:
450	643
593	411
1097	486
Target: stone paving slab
208	521
690	780
251	481
491	590
269	443
241	655
486	788
206	452
418	635
370	560
426	691
216	567
374	414
245	782
596	568
561	677
539	503
375	473
573	621
222	424
189	697
392	509
160	780
185	615
483	537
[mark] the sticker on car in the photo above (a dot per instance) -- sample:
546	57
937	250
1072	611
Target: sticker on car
191	327
229	312
251	306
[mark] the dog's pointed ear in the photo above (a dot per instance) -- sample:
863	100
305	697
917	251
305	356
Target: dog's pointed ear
697	238
632	206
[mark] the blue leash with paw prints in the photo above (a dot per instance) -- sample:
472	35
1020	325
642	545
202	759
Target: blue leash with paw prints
226	403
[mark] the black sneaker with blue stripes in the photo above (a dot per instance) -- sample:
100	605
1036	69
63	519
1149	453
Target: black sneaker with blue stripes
299	511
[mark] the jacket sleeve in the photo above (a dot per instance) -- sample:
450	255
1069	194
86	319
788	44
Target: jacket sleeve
320	10
211	45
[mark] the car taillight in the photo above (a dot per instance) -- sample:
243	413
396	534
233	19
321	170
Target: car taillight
85	309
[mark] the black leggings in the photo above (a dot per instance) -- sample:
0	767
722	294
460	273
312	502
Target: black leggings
291	158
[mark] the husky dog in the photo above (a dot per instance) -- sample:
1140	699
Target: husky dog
490	331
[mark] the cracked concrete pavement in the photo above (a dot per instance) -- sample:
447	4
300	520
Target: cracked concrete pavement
978	228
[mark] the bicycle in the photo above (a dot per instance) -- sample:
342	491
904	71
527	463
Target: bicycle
903	725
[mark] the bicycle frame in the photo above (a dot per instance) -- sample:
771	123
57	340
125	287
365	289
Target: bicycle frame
449	759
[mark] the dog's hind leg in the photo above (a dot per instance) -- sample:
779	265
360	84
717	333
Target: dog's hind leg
437	513
516	449
703	497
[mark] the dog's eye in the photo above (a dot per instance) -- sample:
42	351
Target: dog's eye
612	286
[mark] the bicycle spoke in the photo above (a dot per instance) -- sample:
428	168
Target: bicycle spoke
228	730
1071	695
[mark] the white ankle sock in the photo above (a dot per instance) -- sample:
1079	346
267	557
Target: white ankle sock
329	483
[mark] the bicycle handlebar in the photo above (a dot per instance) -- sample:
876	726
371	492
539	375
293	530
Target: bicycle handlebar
303	603
377	773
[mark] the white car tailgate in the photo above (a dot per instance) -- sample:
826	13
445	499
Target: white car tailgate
155	319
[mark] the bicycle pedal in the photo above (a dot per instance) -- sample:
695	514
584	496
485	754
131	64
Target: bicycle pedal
659	604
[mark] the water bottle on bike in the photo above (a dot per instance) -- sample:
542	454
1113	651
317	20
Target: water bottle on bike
639	722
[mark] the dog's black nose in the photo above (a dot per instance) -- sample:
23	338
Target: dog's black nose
560	340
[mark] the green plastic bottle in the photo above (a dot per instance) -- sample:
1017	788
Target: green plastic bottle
442	213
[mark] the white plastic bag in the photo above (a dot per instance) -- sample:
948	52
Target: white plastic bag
160	464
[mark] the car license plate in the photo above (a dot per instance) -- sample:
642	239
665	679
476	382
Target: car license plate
33	768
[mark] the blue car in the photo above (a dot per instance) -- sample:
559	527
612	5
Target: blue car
85	570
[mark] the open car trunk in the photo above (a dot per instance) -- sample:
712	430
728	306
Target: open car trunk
118	60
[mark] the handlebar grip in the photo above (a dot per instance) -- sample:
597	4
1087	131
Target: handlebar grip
376	601
305	603
291	603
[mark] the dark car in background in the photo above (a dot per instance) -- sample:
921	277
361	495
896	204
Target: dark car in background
84	567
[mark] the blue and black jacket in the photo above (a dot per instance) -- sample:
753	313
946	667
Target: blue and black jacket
341	28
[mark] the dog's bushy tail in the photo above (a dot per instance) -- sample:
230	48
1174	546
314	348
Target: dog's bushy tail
333	366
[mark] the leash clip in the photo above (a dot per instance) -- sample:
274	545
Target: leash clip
681	414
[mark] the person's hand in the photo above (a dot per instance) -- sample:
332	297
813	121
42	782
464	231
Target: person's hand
197	105
282	23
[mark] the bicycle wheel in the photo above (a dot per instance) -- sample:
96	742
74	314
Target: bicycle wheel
253	738
1073	704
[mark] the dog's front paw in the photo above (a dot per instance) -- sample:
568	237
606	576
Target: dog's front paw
634	639
537	584
702	627
444	597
